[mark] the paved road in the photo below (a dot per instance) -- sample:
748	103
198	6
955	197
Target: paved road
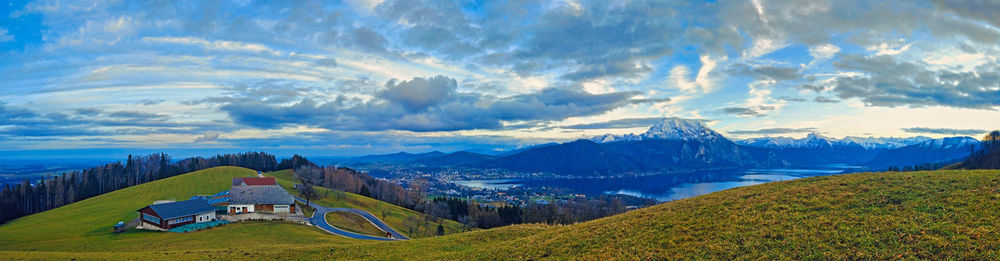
319	219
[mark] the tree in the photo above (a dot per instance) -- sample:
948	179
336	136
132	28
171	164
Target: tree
385	213
440	229
307	192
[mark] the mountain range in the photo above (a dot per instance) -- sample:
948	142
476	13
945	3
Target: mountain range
675	145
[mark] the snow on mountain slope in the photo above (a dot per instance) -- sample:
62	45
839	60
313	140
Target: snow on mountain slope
668	129
815	140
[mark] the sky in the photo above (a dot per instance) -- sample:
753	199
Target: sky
366	76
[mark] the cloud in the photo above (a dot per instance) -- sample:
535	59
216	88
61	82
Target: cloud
748	111
889	82
772	131
767	72
617	124
821	99
428	104
946	131
419	94
741	111
5	36
207	137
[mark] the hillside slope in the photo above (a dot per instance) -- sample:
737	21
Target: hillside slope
926	215
85	226
399	218
911	215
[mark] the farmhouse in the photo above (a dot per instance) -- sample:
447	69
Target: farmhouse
260	198
175	214
254	181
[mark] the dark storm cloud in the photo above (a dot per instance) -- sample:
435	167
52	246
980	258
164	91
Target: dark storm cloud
429	104
945	131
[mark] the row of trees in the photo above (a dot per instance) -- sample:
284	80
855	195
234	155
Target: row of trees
988	157
51	192
350	180
472	214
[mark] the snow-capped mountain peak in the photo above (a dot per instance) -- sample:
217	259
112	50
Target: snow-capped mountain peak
668	129
680	129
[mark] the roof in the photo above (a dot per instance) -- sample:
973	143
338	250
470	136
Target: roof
215	200
181	208
254	181
245	195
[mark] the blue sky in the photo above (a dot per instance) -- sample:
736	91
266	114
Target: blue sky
358	77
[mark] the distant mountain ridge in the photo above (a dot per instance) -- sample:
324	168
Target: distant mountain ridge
814	140
674	144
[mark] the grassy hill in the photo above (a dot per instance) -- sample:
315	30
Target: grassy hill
86	225
399	218
912	215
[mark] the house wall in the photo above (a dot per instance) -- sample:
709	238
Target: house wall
204	217
169	226
233	208
149	211
264	207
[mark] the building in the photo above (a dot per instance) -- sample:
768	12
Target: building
260	198
175	214
254	181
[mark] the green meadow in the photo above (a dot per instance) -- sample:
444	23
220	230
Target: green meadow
911	215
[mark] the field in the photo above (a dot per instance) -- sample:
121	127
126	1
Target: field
399	218
912	215
353	223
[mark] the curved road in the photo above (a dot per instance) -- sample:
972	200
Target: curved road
319	220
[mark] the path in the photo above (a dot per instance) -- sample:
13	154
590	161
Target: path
319	219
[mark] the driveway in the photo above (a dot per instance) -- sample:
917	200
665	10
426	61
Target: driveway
319	220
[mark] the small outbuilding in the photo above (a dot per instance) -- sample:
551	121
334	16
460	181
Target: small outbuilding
175	214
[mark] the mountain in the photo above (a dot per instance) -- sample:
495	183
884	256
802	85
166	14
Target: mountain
945	150
987	157
675	144
400	157
452	159
815	140
672	144
668	129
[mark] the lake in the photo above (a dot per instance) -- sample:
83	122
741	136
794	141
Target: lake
666	187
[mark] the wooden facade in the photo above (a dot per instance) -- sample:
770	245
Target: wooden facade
164	223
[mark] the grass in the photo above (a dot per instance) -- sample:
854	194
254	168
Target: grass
913	215
85	226
411	223
353	223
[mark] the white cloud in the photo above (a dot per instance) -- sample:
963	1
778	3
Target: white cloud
823	51
5	36
889	48
214	45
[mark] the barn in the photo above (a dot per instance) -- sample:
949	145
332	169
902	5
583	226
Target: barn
264	198
175	214
254	181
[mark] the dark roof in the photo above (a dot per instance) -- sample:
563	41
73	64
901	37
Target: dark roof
254	181
245	195
181	208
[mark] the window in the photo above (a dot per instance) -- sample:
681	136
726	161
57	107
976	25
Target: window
180	220
150	218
